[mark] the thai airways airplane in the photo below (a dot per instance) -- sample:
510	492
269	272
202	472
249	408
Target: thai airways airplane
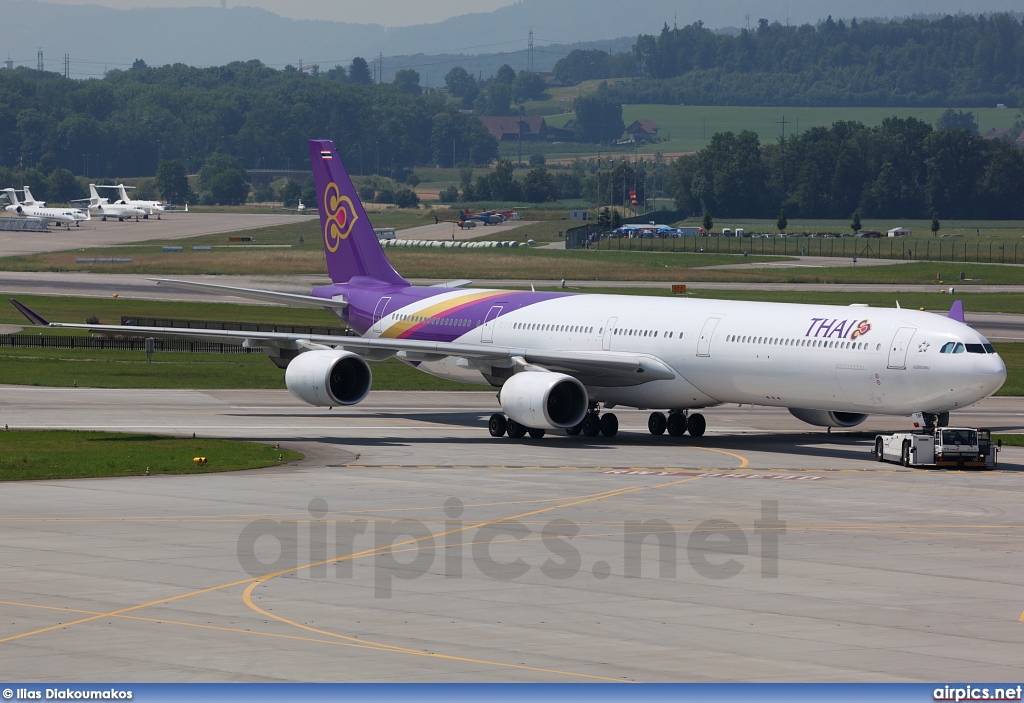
61	216
563	360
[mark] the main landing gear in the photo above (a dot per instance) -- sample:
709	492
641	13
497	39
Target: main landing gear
592	425
677	423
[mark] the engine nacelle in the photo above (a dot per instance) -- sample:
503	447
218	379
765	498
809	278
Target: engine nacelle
328	377
827	418
544	400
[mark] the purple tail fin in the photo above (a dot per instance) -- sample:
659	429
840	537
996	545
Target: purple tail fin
956	312
350	243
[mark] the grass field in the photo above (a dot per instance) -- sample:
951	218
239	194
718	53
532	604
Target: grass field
97	368
53	454
687	128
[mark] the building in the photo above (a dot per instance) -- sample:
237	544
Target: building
1003	134
511	128
643	131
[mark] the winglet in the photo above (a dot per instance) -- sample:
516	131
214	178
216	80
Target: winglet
33	317
956	312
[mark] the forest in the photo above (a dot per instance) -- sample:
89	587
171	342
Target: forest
902	168
956	61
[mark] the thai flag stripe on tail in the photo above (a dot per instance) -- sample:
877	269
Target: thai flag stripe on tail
325	155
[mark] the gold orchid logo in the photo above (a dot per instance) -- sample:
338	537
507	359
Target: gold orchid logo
340	216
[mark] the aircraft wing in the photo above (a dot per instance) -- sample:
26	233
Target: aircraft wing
291	299
593	368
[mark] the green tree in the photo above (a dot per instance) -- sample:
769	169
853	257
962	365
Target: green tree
495	99
598	119
957	120
616	219
449	194
506	74
406	198
408	81
291	191
935	224
359	72
62	186
459	82
782	223
604	219
222	181
855	225
707	223
539	186
172	182
528	86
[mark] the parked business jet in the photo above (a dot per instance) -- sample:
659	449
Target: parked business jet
58	215
560	359
103	208
149	207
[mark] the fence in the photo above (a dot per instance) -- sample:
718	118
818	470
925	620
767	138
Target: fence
59	341
966	250
22	224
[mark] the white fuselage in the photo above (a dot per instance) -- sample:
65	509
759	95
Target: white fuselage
850	359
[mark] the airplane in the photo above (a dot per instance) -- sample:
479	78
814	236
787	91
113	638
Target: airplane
562	361
104	208
149	207
60	216
301	209
488	218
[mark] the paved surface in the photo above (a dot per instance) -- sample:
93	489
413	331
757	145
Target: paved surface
96	233
446	230
880	574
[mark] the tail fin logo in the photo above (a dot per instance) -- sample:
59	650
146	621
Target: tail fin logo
340	216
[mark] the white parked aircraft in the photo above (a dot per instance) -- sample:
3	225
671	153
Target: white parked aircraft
58	215
560	358
103	208
149	207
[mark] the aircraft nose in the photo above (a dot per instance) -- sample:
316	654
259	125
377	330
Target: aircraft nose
990	372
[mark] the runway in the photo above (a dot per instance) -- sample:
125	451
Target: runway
766	556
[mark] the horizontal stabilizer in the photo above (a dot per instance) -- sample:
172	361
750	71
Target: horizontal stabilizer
269	296
956	312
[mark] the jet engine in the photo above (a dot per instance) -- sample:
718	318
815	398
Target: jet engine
544	400
826	418
328	377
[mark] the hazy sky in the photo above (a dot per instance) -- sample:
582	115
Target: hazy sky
390	13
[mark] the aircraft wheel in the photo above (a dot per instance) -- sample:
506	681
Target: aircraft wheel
515	430
656	423
676	424
497	425
574	430
609	425
878	449
103	219
536	433
905	454
145	217
696	424
591	425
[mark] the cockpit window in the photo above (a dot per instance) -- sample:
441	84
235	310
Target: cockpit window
975	348
989	348
959	349
947	348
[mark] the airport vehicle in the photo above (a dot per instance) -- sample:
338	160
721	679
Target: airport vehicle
59	215
103	208
385	232
955	447
559	358
149	207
